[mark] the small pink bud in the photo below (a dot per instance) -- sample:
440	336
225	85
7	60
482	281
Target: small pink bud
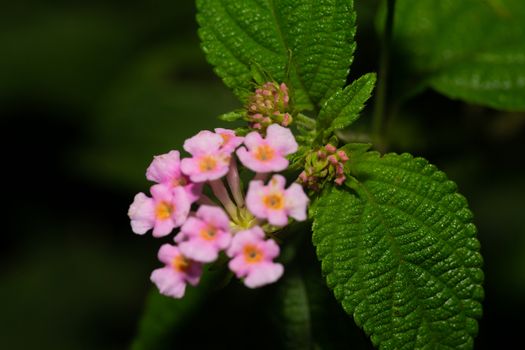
333	160
321	154
330	148
342	155
340	180
339	170
287	119
303	177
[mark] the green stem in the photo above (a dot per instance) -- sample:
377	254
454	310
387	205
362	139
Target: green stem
382	87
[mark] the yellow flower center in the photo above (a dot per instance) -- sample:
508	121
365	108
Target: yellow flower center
180	263
208	233
225	138
251	254
207	163
164	210
264	153
181	181
274	201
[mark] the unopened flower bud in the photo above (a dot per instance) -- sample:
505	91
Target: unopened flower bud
333	160
342	156
330	148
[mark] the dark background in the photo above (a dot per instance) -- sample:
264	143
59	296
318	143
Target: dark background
91	90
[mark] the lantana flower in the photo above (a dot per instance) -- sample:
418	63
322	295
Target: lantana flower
231	221
230	141
268	154
177	272
209	161
274	203
165	169
202	237
168	208
252	258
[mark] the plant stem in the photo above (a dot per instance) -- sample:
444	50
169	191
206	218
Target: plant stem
235	183
220	191
382	87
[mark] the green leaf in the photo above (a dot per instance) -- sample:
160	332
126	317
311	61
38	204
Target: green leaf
308	315
295	312
163	316
471	50
308	44
343	107
231	116
400	252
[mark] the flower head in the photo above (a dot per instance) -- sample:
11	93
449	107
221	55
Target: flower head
209	161
269	104
177	272
165	169
230	140
168	208
324	165
274	203
202	237
268	154
252	258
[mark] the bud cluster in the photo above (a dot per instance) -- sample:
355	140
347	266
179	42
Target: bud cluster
269	105
324	165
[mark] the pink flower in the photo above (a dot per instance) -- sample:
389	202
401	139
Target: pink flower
252	258
209	161
179	271
230	140
165	169
274	203
167	209
202	237
266	155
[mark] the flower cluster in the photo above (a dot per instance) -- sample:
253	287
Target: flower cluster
269	105
324	165
233	222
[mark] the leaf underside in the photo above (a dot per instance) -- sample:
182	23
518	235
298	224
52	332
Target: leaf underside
400	252
308	44
471	50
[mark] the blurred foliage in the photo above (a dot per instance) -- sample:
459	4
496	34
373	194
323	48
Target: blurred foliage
472	50
91	90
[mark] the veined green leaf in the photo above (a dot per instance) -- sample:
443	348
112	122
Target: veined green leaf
399	249
471	49
343	107
308	44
